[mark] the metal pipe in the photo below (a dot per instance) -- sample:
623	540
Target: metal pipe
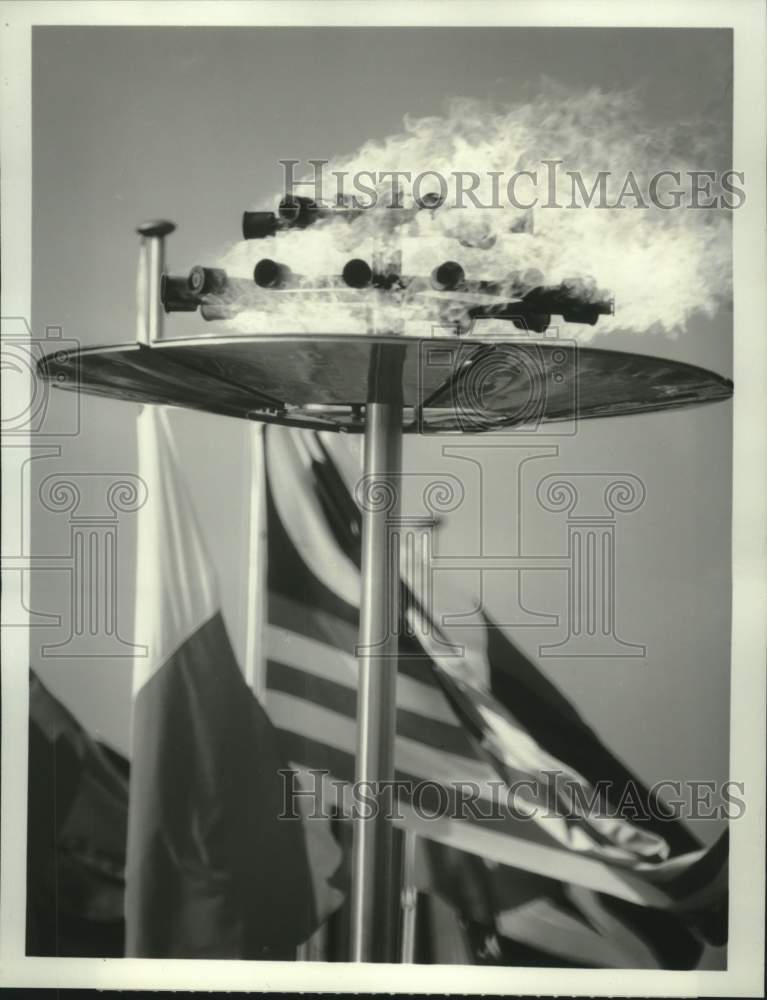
150	306
270	273
209	288
297	211
259	225
447	276
409	899
577	301
175	294
357	273
207	280
384	274
375	877
214	311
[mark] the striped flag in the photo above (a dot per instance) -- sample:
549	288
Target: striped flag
589	889
211	871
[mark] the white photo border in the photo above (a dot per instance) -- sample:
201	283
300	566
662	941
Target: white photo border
745	972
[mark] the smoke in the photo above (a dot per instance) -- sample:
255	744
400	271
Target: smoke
661	266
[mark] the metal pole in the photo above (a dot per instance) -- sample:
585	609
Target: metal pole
375	873
255	637
409	899
151	267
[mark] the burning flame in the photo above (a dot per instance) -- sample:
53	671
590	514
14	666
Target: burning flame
661	266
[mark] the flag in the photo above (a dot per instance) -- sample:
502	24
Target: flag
693	881
562	883
212	871
76	824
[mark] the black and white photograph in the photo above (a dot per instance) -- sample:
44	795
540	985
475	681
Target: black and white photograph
384	497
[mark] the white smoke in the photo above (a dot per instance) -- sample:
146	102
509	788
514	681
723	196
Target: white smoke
661	266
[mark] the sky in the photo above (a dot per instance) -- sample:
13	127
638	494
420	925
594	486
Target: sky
190	124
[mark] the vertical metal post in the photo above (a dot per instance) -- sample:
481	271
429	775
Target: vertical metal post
255	616
409	899
151	267
375	872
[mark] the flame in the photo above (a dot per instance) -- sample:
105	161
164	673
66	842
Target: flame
661	266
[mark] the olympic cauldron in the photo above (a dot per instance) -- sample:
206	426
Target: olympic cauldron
380	382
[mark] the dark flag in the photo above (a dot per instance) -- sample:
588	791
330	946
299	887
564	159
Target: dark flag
76	826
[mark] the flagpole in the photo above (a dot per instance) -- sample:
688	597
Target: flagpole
409	899
255	612
375	876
